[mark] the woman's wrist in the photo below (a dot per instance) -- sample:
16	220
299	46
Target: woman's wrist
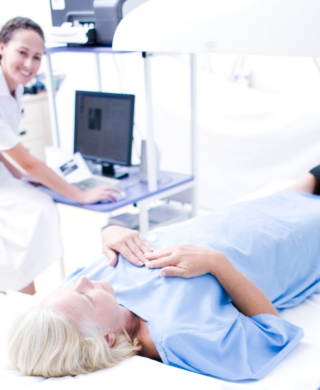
216	261
78	195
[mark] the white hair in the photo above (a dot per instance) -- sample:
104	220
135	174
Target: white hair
47	343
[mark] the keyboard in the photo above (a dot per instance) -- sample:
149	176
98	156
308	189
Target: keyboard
93	182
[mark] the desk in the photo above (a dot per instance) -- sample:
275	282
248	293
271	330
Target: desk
137	193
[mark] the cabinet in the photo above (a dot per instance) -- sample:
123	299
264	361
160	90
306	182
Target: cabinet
35	132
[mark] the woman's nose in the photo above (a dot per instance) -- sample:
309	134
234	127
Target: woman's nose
84	281
28	64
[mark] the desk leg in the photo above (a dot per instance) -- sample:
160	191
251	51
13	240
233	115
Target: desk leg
52	103
98	72
62	268
143	218
194	201
194	138
151	155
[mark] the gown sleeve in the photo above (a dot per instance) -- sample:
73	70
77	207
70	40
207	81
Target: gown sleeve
8	138
247	348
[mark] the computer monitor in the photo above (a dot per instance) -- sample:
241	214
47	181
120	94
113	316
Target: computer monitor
104	128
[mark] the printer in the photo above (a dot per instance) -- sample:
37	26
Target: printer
87	22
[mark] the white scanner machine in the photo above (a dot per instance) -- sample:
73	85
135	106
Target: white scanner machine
87	22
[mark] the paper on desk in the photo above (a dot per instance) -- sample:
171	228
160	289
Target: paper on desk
74	169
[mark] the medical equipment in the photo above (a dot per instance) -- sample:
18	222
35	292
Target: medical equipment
144	162
104	129
87	21
245	27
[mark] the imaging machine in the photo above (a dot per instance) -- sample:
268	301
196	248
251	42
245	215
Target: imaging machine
84	22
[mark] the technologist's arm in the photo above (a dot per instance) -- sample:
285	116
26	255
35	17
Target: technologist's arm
46	176
13	170
188	261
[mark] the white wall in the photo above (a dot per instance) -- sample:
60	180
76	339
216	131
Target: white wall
38	10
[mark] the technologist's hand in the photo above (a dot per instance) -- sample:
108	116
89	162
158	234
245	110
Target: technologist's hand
99	194
183	260
129	243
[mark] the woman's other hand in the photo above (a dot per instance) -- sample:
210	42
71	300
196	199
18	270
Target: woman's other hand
129	243
99	194
184	260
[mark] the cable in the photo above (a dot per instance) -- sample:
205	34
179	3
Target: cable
135	148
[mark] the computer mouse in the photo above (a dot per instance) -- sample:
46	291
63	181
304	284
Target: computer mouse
119	195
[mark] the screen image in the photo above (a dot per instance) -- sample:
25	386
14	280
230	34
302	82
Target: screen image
94	122
104	126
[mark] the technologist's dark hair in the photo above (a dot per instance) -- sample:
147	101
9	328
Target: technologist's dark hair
16	24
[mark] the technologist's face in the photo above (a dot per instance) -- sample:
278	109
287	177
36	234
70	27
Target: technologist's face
88	299
21	57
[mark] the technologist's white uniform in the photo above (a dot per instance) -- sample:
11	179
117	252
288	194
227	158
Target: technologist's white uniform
29	223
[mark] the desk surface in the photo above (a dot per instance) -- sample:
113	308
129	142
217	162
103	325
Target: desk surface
135	191
84	49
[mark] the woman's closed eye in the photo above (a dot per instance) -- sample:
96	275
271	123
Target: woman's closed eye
88	297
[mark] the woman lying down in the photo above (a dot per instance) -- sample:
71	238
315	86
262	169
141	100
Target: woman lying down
205	301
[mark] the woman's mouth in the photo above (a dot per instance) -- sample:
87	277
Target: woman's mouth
24	73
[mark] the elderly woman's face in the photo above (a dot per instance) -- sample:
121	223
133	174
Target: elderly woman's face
88	299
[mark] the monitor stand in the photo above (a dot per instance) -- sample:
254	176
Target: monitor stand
109	171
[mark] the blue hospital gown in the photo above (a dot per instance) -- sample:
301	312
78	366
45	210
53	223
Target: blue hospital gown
274	241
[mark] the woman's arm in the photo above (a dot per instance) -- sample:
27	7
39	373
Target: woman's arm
13	170
46	176
188	261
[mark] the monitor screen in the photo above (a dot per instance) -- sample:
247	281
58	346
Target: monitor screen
104	126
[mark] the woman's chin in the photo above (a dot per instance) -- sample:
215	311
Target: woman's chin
24	80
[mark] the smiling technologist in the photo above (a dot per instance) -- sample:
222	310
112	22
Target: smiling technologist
29	224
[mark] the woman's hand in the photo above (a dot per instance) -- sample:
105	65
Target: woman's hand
184	260
129	243
99	194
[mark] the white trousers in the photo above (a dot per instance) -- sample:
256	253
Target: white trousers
29	232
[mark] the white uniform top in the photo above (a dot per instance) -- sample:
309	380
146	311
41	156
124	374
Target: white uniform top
10	114
29	223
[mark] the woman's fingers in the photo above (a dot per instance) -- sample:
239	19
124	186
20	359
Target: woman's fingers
110	188
159	253
136	250
172	271
129	254
112	256
163	262
109	197
143	244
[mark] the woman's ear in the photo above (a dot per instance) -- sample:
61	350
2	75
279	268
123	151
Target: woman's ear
1	47
110	338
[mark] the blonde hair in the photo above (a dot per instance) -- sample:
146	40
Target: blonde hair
46	343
